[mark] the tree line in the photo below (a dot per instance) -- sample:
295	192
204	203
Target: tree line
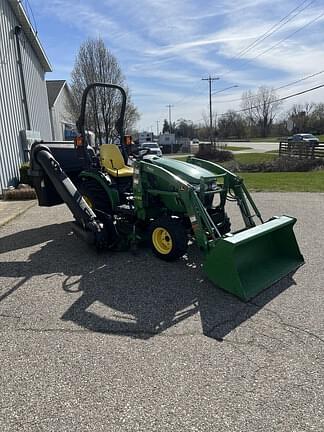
260	115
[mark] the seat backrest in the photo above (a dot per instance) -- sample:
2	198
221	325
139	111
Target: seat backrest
111	157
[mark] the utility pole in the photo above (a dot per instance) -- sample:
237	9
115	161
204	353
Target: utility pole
210	80
157	127
170	125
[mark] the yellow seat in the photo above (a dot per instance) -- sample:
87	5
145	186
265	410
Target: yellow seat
113	162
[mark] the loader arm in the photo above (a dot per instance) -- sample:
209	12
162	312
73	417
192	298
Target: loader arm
177	191
233	185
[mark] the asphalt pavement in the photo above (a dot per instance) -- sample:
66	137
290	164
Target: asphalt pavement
254	147
251	147
125	342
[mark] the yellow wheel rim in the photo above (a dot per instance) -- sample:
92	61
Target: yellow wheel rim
162	241
88	201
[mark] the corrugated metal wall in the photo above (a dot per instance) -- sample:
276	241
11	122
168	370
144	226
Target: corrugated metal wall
12	119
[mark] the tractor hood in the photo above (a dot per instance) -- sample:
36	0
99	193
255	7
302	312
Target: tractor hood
186	171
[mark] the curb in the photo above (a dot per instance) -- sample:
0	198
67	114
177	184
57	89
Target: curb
17	214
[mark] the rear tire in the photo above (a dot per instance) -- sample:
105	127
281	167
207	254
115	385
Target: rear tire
168	238
95	196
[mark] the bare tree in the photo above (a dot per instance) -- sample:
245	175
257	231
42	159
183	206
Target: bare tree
316	121
300	116
95	63
260	108
232	124
207	132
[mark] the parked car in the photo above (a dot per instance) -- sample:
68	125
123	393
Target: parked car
305	138
195	141
153	146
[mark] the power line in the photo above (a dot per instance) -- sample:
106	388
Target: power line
28	10
277	100
284	39
272	102
267	34
277	88
283	21
300	80
275	28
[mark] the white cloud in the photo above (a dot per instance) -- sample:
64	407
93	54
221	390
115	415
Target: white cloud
168	47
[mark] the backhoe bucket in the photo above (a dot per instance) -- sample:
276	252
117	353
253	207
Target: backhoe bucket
247	262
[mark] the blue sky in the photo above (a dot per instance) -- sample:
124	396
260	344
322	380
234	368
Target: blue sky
166	47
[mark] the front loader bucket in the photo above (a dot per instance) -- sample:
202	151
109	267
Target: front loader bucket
246	263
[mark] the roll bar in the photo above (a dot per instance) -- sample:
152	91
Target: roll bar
80	124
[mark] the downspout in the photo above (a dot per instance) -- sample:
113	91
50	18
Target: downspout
22	77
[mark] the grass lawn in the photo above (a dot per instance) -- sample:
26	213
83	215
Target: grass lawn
312	181
249	158
243	157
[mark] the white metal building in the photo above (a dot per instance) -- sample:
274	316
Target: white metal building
167	139
59	102
145	137
23	95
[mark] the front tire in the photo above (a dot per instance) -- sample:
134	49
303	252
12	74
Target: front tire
168	238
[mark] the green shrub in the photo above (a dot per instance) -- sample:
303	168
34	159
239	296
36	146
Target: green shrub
283	165
215	155
24	176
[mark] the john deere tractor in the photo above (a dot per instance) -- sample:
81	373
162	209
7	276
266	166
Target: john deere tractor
164	202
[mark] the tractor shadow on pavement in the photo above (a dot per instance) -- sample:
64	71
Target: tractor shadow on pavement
221	312
135	295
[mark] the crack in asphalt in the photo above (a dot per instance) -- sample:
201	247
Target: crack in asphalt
308	332
10	316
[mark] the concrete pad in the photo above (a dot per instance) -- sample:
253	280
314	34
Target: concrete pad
9	210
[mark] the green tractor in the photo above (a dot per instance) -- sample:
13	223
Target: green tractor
164	202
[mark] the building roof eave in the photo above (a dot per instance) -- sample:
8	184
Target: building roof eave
30	33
